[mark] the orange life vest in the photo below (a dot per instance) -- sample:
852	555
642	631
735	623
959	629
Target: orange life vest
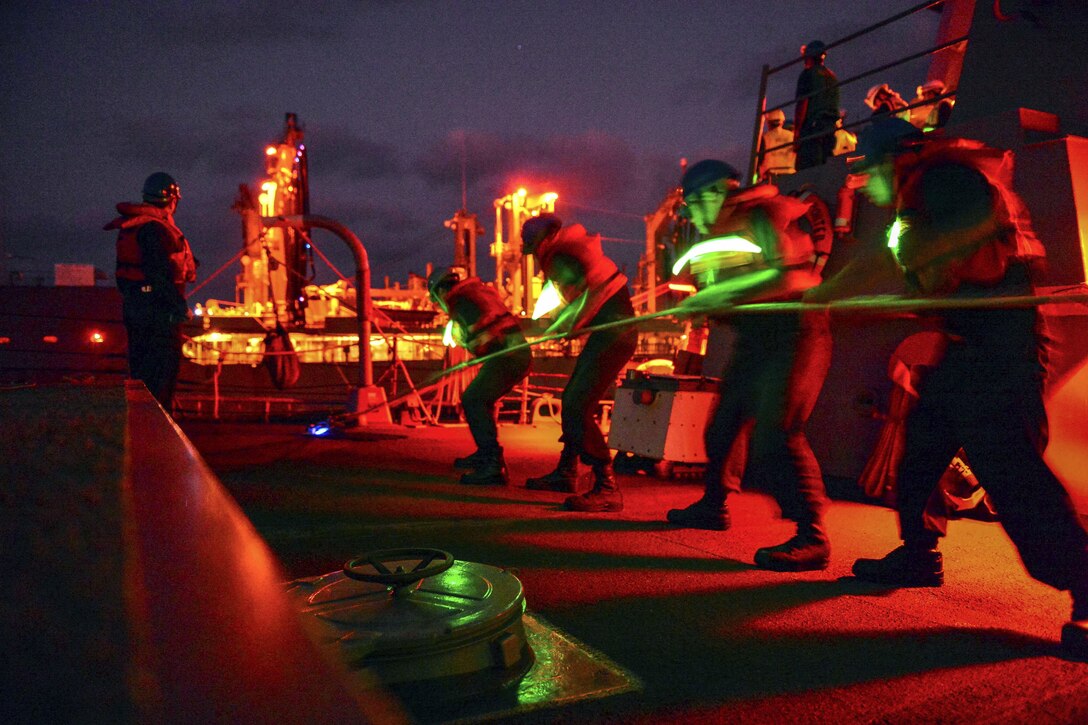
793	248
494	322
1005	237
595	275
129	256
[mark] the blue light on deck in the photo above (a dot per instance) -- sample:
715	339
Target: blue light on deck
319	429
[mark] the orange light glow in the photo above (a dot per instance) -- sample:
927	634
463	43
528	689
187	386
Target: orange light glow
550	197
96	337
270	151
267	198
50	339
522	192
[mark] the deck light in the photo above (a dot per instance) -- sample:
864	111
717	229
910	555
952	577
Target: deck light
319	429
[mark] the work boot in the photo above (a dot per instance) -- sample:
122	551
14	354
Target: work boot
469	462
907	566
563	479
701	515
809	550
491	471
1075	631
604	496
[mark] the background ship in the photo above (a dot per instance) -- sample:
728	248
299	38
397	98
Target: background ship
225	368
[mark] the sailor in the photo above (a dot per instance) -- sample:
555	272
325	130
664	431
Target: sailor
961	232
779	158
882	99
154	263
594	292
934	114
480	322
752	249
845	141
817	95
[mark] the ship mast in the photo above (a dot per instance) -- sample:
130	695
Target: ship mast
278	262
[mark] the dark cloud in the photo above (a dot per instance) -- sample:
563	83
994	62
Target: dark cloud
46	239
231	146
371	219
589	166
250	21
227	146
391	235
346	154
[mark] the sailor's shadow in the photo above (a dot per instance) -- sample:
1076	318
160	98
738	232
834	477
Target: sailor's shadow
706	646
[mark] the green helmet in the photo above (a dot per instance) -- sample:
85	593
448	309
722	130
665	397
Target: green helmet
160	188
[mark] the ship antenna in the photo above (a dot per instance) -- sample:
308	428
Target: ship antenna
464	191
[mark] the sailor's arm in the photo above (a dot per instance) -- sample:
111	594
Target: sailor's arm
869	270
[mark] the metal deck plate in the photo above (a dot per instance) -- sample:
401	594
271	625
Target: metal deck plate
566	671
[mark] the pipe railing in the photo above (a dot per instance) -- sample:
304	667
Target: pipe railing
768	71
362	280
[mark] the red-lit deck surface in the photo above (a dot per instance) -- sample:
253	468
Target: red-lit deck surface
710	637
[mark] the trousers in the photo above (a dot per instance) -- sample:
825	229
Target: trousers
771	384
598	365
154	347
986	396
495	379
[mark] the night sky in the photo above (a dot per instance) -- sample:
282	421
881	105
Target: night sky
595	100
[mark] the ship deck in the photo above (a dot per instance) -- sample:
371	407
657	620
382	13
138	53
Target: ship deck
698	632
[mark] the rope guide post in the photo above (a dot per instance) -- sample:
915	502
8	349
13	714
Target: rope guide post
367	401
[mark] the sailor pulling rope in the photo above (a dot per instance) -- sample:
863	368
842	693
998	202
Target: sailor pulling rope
875	304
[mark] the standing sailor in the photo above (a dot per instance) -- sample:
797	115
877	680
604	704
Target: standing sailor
154	262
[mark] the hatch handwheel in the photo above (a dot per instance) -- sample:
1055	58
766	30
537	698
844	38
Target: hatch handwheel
372	567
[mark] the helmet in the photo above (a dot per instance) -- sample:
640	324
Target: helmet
776	115
884	137
705	173
813	49
160	188
935	87
441	280
870	96
537	229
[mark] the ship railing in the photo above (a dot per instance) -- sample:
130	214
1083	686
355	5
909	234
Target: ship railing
768	72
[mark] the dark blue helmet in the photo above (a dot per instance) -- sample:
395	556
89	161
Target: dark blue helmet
160	188
535	230
813	49
705	173
882	138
